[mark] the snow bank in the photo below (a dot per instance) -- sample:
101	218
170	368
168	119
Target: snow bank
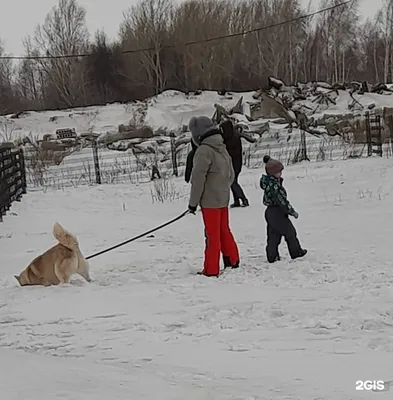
169	110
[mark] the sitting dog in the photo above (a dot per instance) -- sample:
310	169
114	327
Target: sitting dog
57	264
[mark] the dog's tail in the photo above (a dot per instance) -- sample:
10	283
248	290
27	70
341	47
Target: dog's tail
64	237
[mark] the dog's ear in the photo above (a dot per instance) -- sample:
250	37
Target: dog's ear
17	277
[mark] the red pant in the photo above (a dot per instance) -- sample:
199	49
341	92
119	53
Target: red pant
219	239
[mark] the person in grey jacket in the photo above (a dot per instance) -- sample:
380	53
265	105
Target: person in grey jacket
211	179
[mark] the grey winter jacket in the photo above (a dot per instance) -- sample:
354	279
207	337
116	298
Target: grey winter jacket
212	174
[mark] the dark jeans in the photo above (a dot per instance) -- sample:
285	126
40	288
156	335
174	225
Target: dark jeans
279	225
237	191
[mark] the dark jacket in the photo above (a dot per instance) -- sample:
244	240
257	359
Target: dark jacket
275	194
233	143
190	162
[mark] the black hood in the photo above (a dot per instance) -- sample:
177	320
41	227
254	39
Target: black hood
193	146
227	130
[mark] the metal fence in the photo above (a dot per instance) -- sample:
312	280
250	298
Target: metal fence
93	164
12	177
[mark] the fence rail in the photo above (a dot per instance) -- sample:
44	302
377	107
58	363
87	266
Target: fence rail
12	177
95	165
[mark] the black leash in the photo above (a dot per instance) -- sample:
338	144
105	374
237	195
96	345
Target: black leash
139	236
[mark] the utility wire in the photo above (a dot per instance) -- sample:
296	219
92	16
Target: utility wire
212	39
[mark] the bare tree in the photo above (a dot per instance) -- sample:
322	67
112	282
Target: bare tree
30	76
384	24
334	46
63	32
146	25
9	100
105	82
205	65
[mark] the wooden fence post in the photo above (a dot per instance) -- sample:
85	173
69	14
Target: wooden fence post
174	155
303	146
23	170
390	125
374	134
96	162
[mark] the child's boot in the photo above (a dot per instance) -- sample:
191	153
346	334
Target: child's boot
301	253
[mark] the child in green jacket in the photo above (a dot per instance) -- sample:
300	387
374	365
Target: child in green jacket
277	213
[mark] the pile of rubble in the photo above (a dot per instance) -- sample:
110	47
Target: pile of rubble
275	107
305	106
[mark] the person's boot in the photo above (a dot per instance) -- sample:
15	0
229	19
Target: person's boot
245	203
205	274
275	259
235	204
301	253
227	263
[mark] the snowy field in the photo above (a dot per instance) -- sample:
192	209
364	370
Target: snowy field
149	328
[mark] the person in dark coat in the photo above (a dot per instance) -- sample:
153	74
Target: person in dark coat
233	143
277	213
190	162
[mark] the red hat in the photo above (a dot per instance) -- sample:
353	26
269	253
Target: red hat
272	166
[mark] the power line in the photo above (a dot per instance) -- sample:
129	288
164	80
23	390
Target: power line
212	39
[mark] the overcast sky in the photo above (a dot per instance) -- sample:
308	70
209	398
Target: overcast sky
19	17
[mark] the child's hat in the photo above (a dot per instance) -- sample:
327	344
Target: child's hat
272	166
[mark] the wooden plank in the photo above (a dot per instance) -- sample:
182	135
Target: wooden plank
12	178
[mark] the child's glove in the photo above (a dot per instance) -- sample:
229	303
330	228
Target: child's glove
295	215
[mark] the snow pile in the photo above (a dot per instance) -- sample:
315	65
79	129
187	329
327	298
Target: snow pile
65	162
148	327
169	110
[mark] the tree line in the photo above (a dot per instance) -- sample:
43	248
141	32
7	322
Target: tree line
335	46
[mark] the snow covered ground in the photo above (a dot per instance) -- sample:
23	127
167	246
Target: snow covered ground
149	328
